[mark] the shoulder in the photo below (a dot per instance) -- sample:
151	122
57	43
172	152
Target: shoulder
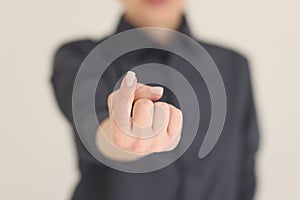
228	60
221	52
74	47
233	67
69	55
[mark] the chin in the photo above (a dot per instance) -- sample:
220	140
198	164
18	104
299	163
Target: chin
158	19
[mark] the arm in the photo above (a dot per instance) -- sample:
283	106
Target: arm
66	64
250	140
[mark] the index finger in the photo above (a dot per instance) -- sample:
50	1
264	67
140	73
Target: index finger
123	99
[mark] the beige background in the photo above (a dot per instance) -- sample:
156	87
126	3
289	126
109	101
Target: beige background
36	148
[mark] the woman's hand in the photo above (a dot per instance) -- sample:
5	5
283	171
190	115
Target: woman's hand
136	125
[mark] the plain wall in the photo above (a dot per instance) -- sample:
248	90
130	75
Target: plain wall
36	147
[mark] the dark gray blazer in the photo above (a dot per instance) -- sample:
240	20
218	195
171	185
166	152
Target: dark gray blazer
227	173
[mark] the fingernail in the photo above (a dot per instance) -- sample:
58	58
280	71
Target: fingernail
157	90
130	78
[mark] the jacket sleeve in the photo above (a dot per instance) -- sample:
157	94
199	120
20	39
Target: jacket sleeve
66	63
250	140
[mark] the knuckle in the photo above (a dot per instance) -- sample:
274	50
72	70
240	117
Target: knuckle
177	113
144	102
164	104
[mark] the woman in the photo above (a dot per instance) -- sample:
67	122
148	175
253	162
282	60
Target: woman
227	173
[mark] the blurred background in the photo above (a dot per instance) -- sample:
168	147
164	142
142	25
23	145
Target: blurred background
36	146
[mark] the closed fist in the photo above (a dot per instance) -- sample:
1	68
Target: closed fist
138	125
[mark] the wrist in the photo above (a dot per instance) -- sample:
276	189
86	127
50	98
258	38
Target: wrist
110	150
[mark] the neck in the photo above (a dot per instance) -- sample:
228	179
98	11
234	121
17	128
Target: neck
173	23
